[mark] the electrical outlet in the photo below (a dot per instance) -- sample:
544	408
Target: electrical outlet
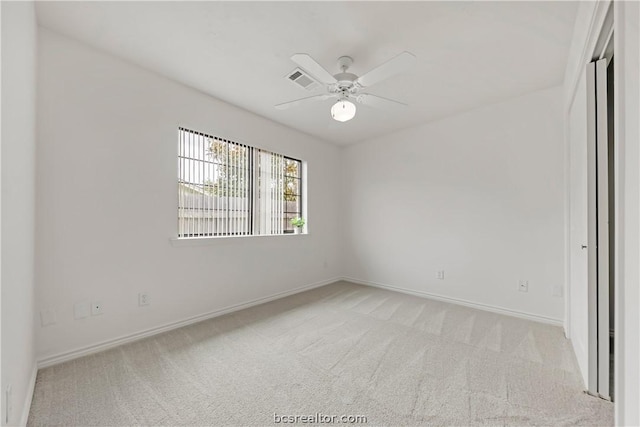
96	308
48	317
523	285
558	291
440	274
143	299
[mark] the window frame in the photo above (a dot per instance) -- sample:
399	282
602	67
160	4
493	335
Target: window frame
253	170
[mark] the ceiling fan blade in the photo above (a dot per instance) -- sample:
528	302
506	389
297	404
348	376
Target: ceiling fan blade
393	66
379	102
298	102
315	69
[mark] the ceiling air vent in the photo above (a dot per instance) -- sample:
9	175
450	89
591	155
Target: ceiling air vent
302	79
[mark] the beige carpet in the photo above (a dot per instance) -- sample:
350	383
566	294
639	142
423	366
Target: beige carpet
342	349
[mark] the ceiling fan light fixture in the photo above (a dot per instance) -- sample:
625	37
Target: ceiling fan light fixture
343	110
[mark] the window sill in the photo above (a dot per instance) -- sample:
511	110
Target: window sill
205	241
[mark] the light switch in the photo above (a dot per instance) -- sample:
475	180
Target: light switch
82	309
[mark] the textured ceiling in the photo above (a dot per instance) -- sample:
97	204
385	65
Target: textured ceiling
468	53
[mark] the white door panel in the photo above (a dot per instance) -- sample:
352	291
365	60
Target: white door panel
592	227
579	313
602	169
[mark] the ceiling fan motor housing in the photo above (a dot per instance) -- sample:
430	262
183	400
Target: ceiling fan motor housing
345	82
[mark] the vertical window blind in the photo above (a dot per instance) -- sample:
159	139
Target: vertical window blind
231	189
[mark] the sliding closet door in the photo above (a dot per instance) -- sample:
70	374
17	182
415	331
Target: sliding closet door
602	169
598	228
592	227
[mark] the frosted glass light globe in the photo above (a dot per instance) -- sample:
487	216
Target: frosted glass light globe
343	110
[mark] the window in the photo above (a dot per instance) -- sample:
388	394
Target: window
231	189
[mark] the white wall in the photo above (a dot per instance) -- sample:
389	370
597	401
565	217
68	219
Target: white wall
627	123
18	199
479	195
107	148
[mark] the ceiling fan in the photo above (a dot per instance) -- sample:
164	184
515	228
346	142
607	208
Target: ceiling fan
347	87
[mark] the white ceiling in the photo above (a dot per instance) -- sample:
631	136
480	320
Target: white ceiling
468	53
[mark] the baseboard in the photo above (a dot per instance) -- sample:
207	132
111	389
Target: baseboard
580	354
115	342
27	403
107	344
479	306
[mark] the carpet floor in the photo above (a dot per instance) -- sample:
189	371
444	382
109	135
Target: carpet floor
341	349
